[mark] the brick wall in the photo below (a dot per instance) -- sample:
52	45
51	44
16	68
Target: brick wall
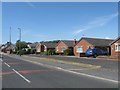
59	47
84	45
113	51
38	48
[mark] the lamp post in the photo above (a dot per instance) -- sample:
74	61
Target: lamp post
10	41
19	33
20	40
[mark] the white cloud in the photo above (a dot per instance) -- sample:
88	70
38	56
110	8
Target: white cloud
78	31
97	22
108	38
30	4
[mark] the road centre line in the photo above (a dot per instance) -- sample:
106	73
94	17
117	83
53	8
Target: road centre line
1	60
6	64
83	74
21	76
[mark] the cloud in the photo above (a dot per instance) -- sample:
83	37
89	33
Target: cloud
78	31
30	4
97	22
108	38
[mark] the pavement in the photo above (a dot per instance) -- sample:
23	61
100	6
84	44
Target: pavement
30	72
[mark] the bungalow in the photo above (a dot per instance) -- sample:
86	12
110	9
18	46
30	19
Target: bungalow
65	44
32	45
45	46
84	43
8	48
115	48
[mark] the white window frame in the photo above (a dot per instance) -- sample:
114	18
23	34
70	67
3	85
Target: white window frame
38	49
116	47
88	47
56	48
77	49
45	48
62	49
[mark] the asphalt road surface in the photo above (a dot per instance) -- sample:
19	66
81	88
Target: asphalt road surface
17	73
109	64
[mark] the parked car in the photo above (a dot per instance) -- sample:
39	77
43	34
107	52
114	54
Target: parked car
95	52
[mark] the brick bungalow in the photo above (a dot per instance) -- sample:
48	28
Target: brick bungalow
45	46
84	43
65	44
115	48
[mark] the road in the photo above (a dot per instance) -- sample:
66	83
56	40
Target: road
18	73
94	61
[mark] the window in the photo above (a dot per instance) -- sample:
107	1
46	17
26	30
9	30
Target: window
45	48
117	46
38	49
80	49
88	47
62	49
57	48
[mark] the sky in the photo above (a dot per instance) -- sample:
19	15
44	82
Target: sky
45	21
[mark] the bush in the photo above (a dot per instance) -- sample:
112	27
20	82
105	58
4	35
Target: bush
32	51
68	52
49	52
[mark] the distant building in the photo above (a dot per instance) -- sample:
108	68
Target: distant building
8	47
31	45
84	43
45	46
115	48
65	44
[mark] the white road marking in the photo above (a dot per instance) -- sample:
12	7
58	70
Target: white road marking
1	60
7	64
78	69
21	76
83	74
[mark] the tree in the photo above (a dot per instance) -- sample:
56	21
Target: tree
20	45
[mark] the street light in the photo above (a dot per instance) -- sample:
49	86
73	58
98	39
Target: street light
20	40
19	33
10	41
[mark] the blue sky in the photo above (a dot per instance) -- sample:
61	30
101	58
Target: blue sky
52	21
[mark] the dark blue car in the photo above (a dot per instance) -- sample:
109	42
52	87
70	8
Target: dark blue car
95	52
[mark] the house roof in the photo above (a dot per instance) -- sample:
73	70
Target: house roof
32	45
49	44
97	41
12	46
69	43
115	40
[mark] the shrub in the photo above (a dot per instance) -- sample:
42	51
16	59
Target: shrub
68	52
49	52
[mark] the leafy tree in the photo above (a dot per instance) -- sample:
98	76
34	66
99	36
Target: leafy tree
20	45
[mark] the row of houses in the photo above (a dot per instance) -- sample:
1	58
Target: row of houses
77	47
